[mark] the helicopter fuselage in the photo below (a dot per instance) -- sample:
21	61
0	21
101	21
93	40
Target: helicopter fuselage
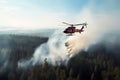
73	30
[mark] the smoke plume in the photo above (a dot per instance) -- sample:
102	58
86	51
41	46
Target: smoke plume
54	50
59	49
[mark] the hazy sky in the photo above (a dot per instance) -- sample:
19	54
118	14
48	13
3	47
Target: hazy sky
50	13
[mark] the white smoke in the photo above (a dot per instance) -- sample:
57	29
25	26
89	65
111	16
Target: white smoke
58	50
4	58
54	50
76	43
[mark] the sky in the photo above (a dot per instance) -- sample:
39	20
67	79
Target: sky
51	13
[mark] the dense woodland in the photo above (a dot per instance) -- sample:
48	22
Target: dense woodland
97	63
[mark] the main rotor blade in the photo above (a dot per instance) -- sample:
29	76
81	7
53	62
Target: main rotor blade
84	24
66	23
77	24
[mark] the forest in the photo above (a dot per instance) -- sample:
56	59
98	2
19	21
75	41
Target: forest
97	63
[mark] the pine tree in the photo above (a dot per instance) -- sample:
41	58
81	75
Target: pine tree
62	75
70	75
45	65
116	72
11	76
78	77
57	73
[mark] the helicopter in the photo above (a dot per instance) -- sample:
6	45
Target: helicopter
72	29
